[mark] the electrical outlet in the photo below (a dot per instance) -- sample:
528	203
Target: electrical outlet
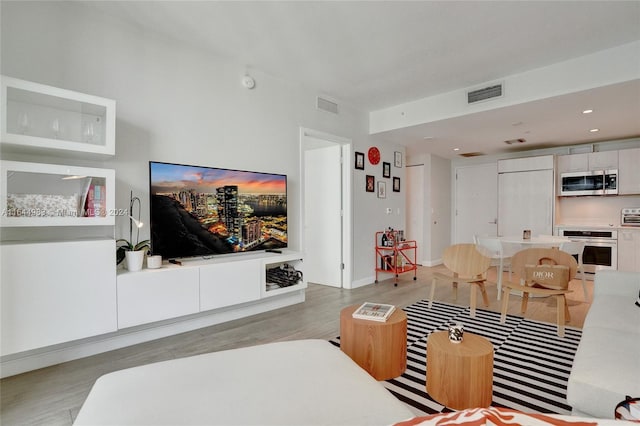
389	210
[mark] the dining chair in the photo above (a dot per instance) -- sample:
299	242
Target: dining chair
575	248
541	272
466	265
492	247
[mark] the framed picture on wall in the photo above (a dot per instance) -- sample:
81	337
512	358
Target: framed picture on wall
382	190
386	170
359	160
396	184
370	183
397	159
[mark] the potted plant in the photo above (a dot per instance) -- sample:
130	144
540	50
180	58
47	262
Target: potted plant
133	252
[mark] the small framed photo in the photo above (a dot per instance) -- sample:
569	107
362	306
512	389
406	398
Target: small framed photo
370	183
397	159
359	160
386	170
382	190
396	184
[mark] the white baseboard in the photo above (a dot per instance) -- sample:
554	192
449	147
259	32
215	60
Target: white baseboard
11	365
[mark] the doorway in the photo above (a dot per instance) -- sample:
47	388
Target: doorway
326	208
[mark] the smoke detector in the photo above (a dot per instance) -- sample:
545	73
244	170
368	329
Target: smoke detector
248	82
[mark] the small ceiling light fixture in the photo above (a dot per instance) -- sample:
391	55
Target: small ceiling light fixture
587	111
427	138
456	149
594	130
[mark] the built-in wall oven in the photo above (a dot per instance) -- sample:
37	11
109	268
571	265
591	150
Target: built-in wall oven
600	249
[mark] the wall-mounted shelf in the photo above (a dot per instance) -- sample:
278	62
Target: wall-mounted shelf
49	120
34	194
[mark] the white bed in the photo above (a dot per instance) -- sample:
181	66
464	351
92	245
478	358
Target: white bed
305	382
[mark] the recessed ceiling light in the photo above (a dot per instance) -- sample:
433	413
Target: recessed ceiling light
587	111
427	138
456	149
594	130
517	123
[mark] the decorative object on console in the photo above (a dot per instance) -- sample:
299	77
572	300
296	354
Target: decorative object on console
134	252
373	311
154	262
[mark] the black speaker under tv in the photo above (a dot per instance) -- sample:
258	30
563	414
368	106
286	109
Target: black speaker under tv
201	211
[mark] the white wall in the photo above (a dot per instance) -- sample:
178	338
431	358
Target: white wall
177	103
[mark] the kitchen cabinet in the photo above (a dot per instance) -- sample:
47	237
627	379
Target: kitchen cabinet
525	196
629	171
629	250
605	160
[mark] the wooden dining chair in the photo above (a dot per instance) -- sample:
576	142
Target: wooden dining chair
466	265
542	272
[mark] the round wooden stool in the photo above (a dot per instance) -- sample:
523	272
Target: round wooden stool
378	347
460	375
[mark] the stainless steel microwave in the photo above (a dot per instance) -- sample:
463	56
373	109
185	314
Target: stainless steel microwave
594	182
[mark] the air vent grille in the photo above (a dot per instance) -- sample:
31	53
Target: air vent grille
515	141
326	105
471	154
484	94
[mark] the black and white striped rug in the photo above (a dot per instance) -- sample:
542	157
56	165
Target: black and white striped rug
531	363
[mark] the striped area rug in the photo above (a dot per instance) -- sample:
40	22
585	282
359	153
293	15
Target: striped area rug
531	363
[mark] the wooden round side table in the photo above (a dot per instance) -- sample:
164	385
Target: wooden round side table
378	347
460	375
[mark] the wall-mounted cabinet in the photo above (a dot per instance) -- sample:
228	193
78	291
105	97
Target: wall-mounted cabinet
45	119
629	171
34	194
605	160
56	292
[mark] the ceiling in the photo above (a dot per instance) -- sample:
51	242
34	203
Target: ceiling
377	54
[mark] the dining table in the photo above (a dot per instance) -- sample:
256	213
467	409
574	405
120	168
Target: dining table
535	241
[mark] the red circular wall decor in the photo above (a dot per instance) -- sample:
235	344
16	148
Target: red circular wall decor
374	155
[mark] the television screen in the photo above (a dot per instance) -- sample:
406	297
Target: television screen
204	211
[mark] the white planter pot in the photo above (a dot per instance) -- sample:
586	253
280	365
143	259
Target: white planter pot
135	259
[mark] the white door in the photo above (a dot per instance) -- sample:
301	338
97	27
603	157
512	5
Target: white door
525	202
476	202
415	208
322	212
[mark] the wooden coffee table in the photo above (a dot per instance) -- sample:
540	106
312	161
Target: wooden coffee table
460	375
378	347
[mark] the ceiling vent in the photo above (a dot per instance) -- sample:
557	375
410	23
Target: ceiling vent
326	105
471	154
484	94
515	141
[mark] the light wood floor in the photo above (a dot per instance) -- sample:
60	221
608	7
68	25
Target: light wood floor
54	395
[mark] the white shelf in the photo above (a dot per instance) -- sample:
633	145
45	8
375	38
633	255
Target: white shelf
45	119
34	194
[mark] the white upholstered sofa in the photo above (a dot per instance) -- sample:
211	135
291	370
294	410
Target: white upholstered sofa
607	364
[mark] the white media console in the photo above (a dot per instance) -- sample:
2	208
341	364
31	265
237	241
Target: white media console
136	307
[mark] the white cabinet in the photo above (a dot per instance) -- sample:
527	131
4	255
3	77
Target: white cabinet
605	160
629	250
629	171
34	194
56	292
174	291
230	283
525	196
156	294
45	119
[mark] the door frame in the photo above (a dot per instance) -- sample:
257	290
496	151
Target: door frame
347	215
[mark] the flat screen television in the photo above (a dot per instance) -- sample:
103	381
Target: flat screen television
205	211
